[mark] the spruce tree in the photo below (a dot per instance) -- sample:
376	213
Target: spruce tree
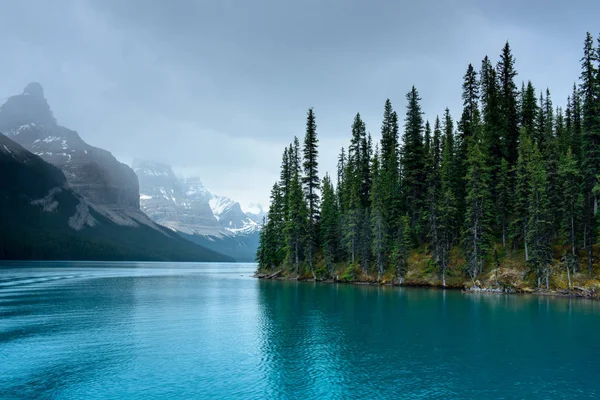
390	169
329	226
570	204
589	90
311	184
502	196
297	221
413	165
479	209
508	103
378	223
401	249
539	225
519	224
529	109
446	207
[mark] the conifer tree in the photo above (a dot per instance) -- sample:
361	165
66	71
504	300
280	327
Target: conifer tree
508	103
470	95
529	109
519	224
478	217
502	196
570	204
311	184
401	249
446	207
413	165
329	226
589	90
378	224
390	169
433	191
297	221
539	226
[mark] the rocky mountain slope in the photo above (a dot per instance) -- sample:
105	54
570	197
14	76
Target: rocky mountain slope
92	172
185	206
95	179
42	217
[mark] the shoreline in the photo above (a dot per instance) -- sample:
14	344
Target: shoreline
577	292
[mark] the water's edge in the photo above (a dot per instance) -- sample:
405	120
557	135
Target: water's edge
574	293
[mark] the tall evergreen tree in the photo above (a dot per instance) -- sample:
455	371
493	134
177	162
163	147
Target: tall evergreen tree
390	169
297	220
311	183
571	203
539	226
529	109
470	95
479	210
329	226
378	223
509	103
413	165
589	89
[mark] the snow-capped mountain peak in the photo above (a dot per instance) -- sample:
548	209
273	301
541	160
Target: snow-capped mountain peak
185	205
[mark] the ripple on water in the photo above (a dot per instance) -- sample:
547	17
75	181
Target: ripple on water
203	331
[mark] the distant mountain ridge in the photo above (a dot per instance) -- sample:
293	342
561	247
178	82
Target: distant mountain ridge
186	206
103	191
41	217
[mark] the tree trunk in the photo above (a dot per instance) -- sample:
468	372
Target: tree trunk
569	277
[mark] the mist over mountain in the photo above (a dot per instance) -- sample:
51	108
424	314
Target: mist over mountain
63	198
186	206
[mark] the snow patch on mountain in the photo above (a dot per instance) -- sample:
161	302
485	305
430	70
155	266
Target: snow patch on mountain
185	205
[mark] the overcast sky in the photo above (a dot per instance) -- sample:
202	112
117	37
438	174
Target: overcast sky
218	88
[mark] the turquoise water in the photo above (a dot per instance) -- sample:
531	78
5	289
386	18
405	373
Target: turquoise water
156	331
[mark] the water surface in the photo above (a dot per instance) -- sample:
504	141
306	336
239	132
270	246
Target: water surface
160	330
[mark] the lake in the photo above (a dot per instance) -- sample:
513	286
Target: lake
211	331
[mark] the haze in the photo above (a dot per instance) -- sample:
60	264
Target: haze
217	89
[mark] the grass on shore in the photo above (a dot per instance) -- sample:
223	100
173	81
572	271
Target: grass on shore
512	275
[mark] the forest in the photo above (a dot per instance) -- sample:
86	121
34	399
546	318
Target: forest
507	193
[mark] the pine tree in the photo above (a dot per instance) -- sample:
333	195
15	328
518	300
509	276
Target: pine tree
570	204
590	142
329	225
503	195
519	224
413	165
401	249
529	109
575	130
539	226
378	225
470	116
478	217
271	251
340	187
311	184
297	221
446	205
492	114
390	169
508	103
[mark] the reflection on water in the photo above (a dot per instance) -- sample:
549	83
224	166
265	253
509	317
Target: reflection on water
155	330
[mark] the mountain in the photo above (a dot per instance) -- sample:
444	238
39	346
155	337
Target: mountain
185	206
94	180
92	172
42	217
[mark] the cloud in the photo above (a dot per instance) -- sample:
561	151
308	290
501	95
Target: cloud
219	88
